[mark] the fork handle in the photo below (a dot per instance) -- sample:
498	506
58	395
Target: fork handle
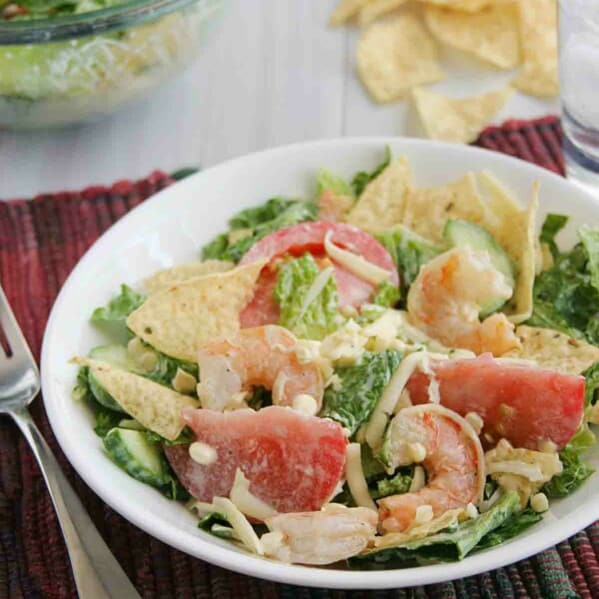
97	573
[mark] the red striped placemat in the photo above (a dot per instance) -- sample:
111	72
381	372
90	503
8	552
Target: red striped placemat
40	242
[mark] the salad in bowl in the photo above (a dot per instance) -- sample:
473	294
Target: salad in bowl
68	62
378	376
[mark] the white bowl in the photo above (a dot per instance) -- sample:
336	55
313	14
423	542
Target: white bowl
170	228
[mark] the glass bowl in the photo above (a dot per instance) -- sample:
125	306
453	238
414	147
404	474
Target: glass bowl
71	69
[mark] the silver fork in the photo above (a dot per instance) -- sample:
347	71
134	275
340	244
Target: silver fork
97	573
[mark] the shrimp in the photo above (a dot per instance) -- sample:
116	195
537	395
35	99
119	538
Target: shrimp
259	356
453	460
330	535
446	298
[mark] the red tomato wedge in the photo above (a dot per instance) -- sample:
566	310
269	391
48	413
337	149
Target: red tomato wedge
520	403
293	462
309	237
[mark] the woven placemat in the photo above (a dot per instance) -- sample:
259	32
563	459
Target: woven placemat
40	242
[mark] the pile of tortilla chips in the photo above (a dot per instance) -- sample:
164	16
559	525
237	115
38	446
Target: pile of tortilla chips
393	199
398	53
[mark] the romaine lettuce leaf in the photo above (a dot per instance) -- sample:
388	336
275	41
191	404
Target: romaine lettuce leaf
327	181
590	239
308	308
565	295
553	224
361	388
363	178
166	369
512	527
394	485
409	252
575	470
387	295
275	214
449	545
114	315
591	389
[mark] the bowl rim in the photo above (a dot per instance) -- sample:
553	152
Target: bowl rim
250	565
120	16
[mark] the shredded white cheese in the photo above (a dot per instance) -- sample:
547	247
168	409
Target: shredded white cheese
183	382
530	471
246	502
418	479
475	421
539	502
272	542
356	264
386	404
356	480
240	524
317	286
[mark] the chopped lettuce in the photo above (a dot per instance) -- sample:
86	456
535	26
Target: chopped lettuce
590	240
566	296
409	251
512	527
275	214
553	224
327	181
398	483
591	392
387	295
453	544
307	298
105	418
166	369
186	437
363	178
114	316
575	469
361	388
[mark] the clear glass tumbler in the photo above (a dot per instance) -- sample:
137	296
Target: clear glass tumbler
579	85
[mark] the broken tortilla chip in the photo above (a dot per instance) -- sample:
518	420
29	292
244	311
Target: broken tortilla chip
381	204
514	230
554	350
177	274
467	5
538	37
377	8
490	34
180	319
457	120
154	406
396	54
346	10
428	209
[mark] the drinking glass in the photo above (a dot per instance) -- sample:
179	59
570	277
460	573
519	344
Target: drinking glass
579	85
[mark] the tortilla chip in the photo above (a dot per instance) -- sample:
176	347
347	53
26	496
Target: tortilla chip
382	202
377	8
346	9
491	34
154	406
554	350
467	5
497	198
395	55
427	210
514	230
180	319
177	274
457	120
538	36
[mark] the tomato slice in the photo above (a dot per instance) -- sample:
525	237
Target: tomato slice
293	462
520	403
309	237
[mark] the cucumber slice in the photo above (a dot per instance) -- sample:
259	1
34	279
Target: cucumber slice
102	396
139	458
461	233
115	355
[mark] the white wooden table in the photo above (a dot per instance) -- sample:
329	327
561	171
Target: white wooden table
273	73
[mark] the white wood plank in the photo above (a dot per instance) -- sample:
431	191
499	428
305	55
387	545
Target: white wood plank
270	74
